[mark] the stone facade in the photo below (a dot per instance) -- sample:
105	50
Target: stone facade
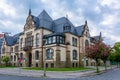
60	49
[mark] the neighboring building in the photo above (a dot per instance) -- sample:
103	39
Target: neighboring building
1	36
64	44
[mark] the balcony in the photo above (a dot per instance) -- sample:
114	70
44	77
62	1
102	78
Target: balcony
27	48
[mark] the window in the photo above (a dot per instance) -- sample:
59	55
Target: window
29	40
16	48
11	50
3	50
74	41
49	54
14	58
74	55
49	40
37	39
61	39
86	43
11	58
57	39
54	39
21	43
67	27
37	55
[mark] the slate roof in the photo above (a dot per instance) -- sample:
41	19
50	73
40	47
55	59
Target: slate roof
94	39
61	22
11	40
80	29
43	20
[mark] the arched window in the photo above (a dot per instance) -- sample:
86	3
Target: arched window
49	53
14	58
16	48
11	49
74	55
37	55
86	43
37	39
11	58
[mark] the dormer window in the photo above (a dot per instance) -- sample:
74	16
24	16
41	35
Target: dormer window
66	28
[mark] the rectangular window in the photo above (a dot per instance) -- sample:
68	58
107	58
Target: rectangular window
49	40
54	39
74	41
61	39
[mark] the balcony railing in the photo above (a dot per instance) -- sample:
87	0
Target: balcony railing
27	48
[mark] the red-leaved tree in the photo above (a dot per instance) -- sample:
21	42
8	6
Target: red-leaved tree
105	53
94	52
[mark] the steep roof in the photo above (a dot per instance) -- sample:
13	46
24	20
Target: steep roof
45	20
61	22
94	39
11	40
80	29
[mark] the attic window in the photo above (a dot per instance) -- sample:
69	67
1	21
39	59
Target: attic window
67	28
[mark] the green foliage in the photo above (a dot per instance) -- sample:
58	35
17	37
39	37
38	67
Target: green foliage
6	59
115	54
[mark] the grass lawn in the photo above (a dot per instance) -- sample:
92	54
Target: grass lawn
60	69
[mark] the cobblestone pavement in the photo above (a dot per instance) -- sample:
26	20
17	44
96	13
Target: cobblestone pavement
109	75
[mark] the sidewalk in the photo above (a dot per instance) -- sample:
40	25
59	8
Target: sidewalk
50	74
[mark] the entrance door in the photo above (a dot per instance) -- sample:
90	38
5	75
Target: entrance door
30	60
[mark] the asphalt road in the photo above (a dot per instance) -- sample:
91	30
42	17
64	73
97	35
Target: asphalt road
110	75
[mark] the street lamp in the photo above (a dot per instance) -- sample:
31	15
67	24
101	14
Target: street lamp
44	57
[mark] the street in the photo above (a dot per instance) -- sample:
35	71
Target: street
110	75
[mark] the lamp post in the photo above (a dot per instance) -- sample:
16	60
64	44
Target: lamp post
44	57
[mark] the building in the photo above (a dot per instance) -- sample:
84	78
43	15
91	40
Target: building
58	42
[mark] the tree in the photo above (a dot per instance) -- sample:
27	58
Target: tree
94	52
116	52
105	53
6	59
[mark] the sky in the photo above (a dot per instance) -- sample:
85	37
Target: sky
101	15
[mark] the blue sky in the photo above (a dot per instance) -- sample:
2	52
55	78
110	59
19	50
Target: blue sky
102	15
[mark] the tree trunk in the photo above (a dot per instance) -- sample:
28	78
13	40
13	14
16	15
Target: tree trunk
105	65
97	69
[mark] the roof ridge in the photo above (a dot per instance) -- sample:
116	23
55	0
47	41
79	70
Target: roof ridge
44	15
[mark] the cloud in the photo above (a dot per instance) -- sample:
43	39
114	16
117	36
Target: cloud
102	15
7	9
9	26
113	4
